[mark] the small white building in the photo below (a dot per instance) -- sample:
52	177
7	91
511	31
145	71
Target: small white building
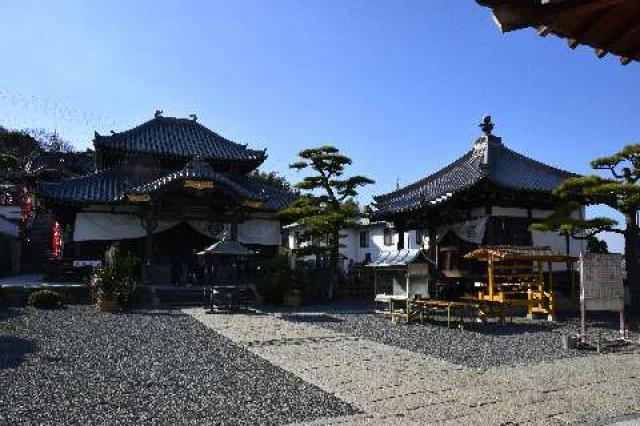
360	244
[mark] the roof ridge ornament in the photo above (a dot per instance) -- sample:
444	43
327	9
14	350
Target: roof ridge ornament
158	113
487	127
193	117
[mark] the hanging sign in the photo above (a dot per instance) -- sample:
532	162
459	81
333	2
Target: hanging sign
254	204
198	184
139	198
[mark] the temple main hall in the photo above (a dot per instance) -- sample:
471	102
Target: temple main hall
165	189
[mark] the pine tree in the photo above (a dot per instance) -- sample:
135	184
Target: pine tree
621	192
326	206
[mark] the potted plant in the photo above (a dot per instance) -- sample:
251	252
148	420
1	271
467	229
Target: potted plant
113	284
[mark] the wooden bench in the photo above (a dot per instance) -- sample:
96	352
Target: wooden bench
422	308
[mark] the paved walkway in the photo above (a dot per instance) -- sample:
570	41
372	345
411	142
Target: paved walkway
392	385
33	281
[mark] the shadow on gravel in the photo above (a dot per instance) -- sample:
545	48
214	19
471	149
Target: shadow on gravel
154	312
510	329
13	351
8	313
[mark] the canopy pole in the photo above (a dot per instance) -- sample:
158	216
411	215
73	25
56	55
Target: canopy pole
375	282
407	279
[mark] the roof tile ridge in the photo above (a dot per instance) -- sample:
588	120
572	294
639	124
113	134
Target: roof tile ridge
537	162
428	178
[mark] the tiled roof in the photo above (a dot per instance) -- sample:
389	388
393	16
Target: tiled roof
227	248
195	169
489	160
179	137
107	186
395	258
112	185
275	198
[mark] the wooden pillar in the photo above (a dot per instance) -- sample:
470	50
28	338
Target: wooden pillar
234	230
149	223
236	216
400	229
491	278
432	254
551	316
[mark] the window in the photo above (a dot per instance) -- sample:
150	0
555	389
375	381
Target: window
364	239
419	237
388	236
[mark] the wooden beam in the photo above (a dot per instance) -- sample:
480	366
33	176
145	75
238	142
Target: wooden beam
601	53
620	42
634	56
512	17
544	30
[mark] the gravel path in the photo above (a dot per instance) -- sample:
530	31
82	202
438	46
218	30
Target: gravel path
77	366
478	345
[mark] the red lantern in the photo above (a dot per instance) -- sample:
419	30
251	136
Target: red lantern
27	208
56	239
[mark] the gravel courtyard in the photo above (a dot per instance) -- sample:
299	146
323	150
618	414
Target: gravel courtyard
77	366
394	375
517	342
325	365
478	345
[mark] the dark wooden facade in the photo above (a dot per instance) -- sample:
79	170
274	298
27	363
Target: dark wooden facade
609	26
167	169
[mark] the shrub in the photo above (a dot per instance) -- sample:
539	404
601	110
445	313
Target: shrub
274	279
115	280
44	299
271	279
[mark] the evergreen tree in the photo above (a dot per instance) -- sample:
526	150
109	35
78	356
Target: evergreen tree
621	192
272	179
327	204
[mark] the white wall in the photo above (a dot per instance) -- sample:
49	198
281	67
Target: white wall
351	242
353	251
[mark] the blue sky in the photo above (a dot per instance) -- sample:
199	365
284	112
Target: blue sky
398	85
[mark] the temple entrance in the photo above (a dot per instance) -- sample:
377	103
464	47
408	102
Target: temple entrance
174	254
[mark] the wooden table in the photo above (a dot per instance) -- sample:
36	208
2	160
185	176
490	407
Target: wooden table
423	307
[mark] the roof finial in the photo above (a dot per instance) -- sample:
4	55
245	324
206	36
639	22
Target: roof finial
397	183
158	113
193	117
487	125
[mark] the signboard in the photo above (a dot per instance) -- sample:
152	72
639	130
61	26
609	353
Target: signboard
86	263
601	278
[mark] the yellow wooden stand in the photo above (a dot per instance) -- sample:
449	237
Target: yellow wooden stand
516	276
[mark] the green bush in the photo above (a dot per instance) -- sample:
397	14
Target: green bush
274	279
115	280
44	299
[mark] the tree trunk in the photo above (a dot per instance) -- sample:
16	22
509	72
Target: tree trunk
333	261
631	249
